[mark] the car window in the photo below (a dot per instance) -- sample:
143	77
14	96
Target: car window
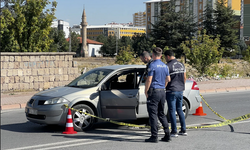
91	78
125	80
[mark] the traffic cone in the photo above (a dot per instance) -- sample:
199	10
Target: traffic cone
69	125
199	111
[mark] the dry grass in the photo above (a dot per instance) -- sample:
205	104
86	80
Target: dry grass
236	66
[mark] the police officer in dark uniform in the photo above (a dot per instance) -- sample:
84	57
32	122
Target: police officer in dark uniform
174	92
158	78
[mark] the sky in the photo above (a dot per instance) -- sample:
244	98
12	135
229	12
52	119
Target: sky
98	12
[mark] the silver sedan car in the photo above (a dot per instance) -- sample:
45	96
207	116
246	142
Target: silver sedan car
114	92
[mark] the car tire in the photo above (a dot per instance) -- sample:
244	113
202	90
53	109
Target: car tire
185	109
82	122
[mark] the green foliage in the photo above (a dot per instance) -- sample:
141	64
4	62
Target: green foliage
101	38
226	70
124	56
26	26
225	27
246	54
202	52
75	42
213	70
59	43
209	21
140	43
172	28
109	47
125	41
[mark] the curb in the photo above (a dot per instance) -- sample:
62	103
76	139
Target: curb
13	106
231	89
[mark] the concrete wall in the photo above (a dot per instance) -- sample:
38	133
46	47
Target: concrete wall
36	71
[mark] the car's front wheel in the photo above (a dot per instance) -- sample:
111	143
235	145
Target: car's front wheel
81	121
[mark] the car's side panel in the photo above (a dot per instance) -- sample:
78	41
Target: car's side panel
119	104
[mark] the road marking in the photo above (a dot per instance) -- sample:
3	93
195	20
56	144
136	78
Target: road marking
64	142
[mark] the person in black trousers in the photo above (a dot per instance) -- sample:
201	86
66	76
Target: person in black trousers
158	78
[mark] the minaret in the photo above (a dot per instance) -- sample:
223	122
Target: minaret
84	48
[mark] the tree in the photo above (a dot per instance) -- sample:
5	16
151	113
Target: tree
75	42
26	26
124	56
140	43
59	43
7	40
125	41
101	38
202	51
225	27
209	22
246	54
109	47
172	28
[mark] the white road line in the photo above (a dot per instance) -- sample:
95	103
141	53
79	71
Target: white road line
72	145
60	143
99	141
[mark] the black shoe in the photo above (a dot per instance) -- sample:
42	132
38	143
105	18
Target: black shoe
166	138
152	139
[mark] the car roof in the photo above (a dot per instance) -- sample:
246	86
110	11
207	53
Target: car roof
118	67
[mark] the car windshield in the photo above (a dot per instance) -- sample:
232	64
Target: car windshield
90	79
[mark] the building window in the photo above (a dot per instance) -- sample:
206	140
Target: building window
190	1
201	0
200	6
148	18
181	1
148	10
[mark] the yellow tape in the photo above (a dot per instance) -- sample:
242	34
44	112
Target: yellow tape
212	109
227	122
108	120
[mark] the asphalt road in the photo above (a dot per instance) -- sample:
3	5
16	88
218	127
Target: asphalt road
17	133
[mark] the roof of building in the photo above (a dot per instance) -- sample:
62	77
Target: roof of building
153	1
88	41
114	26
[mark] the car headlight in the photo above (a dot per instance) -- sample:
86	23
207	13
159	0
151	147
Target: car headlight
56	100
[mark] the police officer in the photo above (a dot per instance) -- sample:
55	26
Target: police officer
146	58
158	78
174	92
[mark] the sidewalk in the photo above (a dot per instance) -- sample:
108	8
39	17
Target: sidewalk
15	100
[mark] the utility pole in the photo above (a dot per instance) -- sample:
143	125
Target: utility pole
242	20
69	39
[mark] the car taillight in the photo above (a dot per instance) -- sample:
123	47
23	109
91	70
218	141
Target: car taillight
195	86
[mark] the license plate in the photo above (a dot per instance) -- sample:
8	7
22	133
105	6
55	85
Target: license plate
32	111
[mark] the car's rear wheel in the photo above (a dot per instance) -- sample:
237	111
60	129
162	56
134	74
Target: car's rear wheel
185	109
81	121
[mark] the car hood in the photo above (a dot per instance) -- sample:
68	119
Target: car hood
59	91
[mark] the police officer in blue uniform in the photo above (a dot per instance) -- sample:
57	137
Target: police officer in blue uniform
158	78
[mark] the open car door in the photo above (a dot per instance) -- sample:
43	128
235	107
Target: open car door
119	104
121	99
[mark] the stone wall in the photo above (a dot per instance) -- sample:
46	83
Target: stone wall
37	71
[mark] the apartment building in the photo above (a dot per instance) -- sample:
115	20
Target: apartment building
195	7
139	19
119	30
246	20
61	25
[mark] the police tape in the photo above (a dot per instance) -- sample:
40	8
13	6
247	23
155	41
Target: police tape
108	120
227	122
212	109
